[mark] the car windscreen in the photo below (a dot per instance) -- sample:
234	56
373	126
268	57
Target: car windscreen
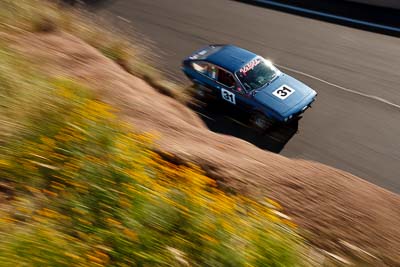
257	73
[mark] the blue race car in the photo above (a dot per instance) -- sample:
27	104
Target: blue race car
249	82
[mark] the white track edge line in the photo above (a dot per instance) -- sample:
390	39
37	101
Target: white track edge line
377	98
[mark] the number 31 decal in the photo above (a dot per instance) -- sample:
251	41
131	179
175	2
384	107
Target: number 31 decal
228	96
283	92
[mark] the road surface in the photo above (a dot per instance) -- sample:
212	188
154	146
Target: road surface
355	122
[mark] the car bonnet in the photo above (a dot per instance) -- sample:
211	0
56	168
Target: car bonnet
266	96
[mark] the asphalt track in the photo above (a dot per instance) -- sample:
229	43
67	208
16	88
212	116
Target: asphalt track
355	122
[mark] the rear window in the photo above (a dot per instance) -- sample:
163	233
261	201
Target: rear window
205	52
214	72
257	73
205	68
201	67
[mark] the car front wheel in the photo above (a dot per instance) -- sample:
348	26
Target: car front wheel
261	122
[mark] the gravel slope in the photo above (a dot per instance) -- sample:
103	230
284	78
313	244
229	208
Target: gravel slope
331	205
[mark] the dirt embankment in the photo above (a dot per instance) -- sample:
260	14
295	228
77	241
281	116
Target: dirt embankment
330	205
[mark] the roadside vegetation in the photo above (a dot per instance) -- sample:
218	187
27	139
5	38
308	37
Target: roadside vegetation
84	189
41	16
87	190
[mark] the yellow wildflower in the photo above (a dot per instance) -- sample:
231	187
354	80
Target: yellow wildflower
32	189
208	238
104	257
49	213
113	221
4	163
289	223
50	143
72	256
274	203
50	193
131	234
94	259
84	221
8	220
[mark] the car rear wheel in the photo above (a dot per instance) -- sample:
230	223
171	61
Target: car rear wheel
261	122
199	92
203	93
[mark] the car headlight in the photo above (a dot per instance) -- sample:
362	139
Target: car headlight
288	118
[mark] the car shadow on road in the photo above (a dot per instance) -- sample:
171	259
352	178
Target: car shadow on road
221	118
338	9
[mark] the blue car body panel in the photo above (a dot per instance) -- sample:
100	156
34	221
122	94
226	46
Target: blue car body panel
231	58
302	95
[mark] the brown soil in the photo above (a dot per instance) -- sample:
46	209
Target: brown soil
328	204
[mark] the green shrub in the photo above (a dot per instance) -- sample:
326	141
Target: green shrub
29	15
89	191
45	16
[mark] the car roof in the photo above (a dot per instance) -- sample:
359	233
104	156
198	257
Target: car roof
231	57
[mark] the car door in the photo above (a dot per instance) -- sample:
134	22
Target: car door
230	91
220	81
212	77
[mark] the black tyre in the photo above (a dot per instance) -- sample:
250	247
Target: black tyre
261	122
203	93
200	92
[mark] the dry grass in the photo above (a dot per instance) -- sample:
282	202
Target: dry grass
18	17
45	17
89	191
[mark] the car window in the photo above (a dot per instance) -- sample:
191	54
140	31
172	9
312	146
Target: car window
201	67
206	69
225	78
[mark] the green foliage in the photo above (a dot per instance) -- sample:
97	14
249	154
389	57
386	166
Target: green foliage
22	92
29	15
45	16
90	192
